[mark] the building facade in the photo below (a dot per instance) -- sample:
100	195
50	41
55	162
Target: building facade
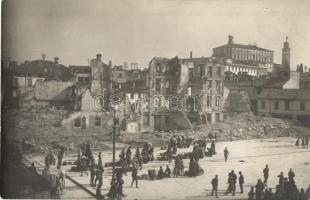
251	59
285	103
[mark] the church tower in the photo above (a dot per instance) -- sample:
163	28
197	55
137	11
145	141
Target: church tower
286	56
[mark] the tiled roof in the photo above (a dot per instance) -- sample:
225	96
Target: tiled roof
53	90
242	46
289	94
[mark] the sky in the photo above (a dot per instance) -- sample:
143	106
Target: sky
138	30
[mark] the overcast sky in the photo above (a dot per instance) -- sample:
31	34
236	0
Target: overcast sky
137	30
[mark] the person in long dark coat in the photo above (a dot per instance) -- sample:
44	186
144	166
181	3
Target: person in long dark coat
99	160
226	153
297	142
214	183
241	181
266	174
134	175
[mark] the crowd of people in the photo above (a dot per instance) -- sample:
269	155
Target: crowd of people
285	190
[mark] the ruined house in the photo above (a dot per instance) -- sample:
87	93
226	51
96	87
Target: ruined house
25	76
57	94
205	90
91	108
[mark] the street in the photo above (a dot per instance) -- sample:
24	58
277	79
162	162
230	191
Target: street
248	156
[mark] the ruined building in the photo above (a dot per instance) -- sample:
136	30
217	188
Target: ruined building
185	92
92	101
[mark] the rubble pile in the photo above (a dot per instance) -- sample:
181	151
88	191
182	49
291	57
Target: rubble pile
33	127
40	130
236	126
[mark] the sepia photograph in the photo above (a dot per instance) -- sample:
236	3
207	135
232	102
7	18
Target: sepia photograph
155	99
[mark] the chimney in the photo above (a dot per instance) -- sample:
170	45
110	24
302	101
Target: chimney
56	59
43	56
110	63
230	39
98	56
190	55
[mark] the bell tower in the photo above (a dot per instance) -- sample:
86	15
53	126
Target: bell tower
286	56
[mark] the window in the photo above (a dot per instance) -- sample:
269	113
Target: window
157	86
189	91
132	96
302	106
158	68
287	105
217	102
209	84
15	82
77	122
276	105
219	71
120	75
14	93
202	70
167	84
263	105
209	100
80	79
210	71
97	121
86	79
218	86
139	95
29	82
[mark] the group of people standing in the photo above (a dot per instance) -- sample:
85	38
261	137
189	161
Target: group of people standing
285	190
232	181
303	142
57	180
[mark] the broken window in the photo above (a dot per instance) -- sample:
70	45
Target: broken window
276	105
15	82
158	68
217	102
157	87
97	121
287	105
29	82
202	70
263	105
189	90
167	84
209	100
77	122
210	85
210	71
219	71
218	86
302	106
